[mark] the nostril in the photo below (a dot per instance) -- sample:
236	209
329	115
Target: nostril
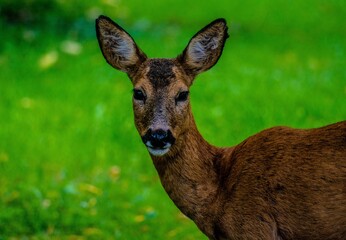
158	138
170	139
159	135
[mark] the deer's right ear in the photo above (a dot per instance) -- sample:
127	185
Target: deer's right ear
117	46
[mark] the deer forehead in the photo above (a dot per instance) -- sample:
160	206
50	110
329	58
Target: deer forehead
162	74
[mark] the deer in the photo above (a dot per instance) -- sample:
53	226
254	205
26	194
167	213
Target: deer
281	183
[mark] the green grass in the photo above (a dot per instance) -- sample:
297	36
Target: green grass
72	165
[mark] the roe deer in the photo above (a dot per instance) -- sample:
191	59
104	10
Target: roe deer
281	183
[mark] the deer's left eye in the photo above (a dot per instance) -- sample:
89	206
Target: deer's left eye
182	96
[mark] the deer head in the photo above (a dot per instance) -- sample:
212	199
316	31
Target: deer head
161	86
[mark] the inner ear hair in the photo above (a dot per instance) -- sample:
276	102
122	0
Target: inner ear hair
117	46
205	48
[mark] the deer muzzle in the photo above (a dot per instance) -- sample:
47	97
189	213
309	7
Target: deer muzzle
158	141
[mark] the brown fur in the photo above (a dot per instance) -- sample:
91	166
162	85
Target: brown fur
281	183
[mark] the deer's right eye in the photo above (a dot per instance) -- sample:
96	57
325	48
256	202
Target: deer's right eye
138	95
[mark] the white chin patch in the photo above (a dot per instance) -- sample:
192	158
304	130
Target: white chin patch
158	152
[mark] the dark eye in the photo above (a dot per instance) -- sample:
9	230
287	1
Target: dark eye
138	95
182	96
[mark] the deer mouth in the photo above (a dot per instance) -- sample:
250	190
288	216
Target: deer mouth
157	151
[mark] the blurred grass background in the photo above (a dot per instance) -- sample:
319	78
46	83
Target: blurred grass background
72	165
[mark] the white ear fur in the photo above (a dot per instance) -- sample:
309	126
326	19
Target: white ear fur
198	51
123	48
117	46
205	48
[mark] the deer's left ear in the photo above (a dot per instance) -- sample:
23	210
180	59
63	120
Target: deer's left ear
205	48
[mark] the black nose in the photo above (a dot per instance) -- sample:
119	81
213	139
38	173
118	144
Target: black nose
158	138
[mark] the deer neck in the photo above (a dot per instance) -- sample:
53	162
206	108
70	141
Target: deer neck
188	174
